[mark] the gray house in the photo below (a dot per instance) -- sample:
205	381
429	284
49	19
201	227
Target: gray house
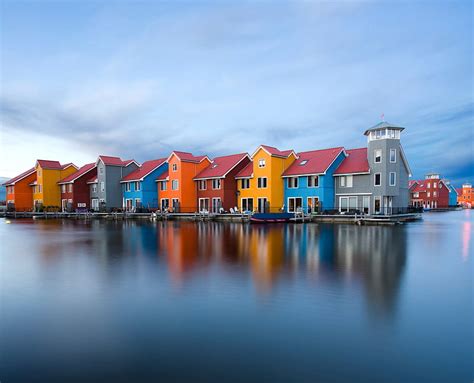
374	180
105	189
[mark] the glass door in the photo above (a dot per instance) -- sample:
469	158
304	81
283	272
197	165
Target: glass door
262	204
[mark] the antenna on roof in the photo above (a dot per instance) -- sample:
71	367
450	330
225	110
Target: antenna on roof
382	116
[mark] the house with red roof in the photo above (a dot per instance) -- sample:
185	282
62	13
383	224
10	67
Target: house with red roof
75	191
19	195
374	179
139	187
465	195
309	182
430	193
177	190
106	190
216	184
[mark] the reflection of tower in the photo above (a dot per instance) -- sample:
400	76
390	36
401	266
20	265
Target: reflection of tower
377	254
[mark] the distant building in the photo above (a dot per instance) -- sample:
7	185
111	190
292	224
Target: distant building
431	193
75	192
466	195
374	180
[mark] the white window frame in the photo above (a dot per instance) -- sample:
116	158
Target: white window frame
163	186
94	188
246	199
69	188
293	183
375	156
394	152
313	181
366	203
261	163
174	184
63	188
137	186
260	182
202	184
174	167
128	186
245	183
216	184
203	208
102	186
394	179
375	179
216	204
162	206
139	200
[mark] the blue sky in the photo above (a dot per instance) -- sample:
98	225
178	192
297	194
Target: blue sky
139	79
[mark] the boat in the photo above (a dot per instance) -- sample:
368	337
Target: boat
271	217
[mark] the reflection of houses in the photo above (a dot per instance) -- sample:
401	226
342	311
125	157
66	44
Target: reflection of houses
75	192
19	192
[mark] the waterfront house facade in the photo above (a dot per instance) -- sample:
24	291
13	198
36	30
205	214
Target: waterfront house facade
430	193
46	191
466	195
216	184
75	191
177	190
309	182
19	193
374	180
453	194
105	189
139	187
260	184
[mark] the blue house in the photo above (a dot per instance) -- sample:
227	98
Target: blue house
453	194
309	182
139	188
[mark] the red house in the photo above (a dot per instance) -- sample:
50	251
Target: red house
75	191
216	184
430	193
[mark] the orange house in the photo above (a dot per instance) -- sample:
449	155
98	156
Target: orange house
466	195
177	190
19	193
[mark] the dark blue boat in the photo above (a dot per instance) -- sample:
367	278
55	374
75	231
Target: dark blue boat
271	217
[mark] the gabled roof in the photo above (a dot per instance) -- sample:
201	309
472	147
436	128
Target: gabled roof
420	187
221	166
19	177
163	176
355	162
412	183
144	170
53	165
187	157
246	172
74	176
313	162
274	151
383	125
115	161
92	180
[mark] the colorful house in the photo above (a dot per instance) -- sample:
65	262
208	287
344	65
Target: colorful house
309	182
453	194
177	190
19	192
430	193
139	187
105	189
46	191
260	184
374	180
216	184
466	195
75	192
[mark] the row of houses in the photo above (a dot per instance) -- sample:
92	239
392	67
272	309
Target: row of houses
373	179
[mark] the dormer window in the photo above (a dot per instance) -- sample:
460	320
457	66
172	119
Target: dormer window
214	166
304	162
378	156
175	167
261	163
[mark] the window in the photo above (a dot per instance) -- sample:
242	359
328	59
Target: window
365	204
435	185
40	188
101	170
392	178
138	202
262	182
342	181
102	186
39	173
247	204
175	167
174	185
202	184
69	188
304	162
378	156
163	186
94	188
377	179
216	205
428	194
435	194
429	185
346	181
165	203
127	187
292	182
245	183
63	188
313	181
295	204
393	155
416	195
261	163
203	204
137	186
216	184
347	203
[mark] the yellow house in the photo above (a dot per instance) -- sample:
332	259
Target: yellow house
46	191
260	186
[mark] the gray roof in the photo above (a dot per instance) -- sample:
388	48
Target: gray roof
383	125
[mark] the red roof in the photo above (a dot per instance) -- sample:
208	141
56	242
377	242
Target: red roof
46	164
115	161
146	168
419	188
19	177
92	180
163	176
276	152
355	162
313	162
72	177
188	157
246	172
220	166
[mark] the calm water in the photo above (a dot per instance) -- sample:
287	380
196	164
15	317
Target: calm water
137	301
